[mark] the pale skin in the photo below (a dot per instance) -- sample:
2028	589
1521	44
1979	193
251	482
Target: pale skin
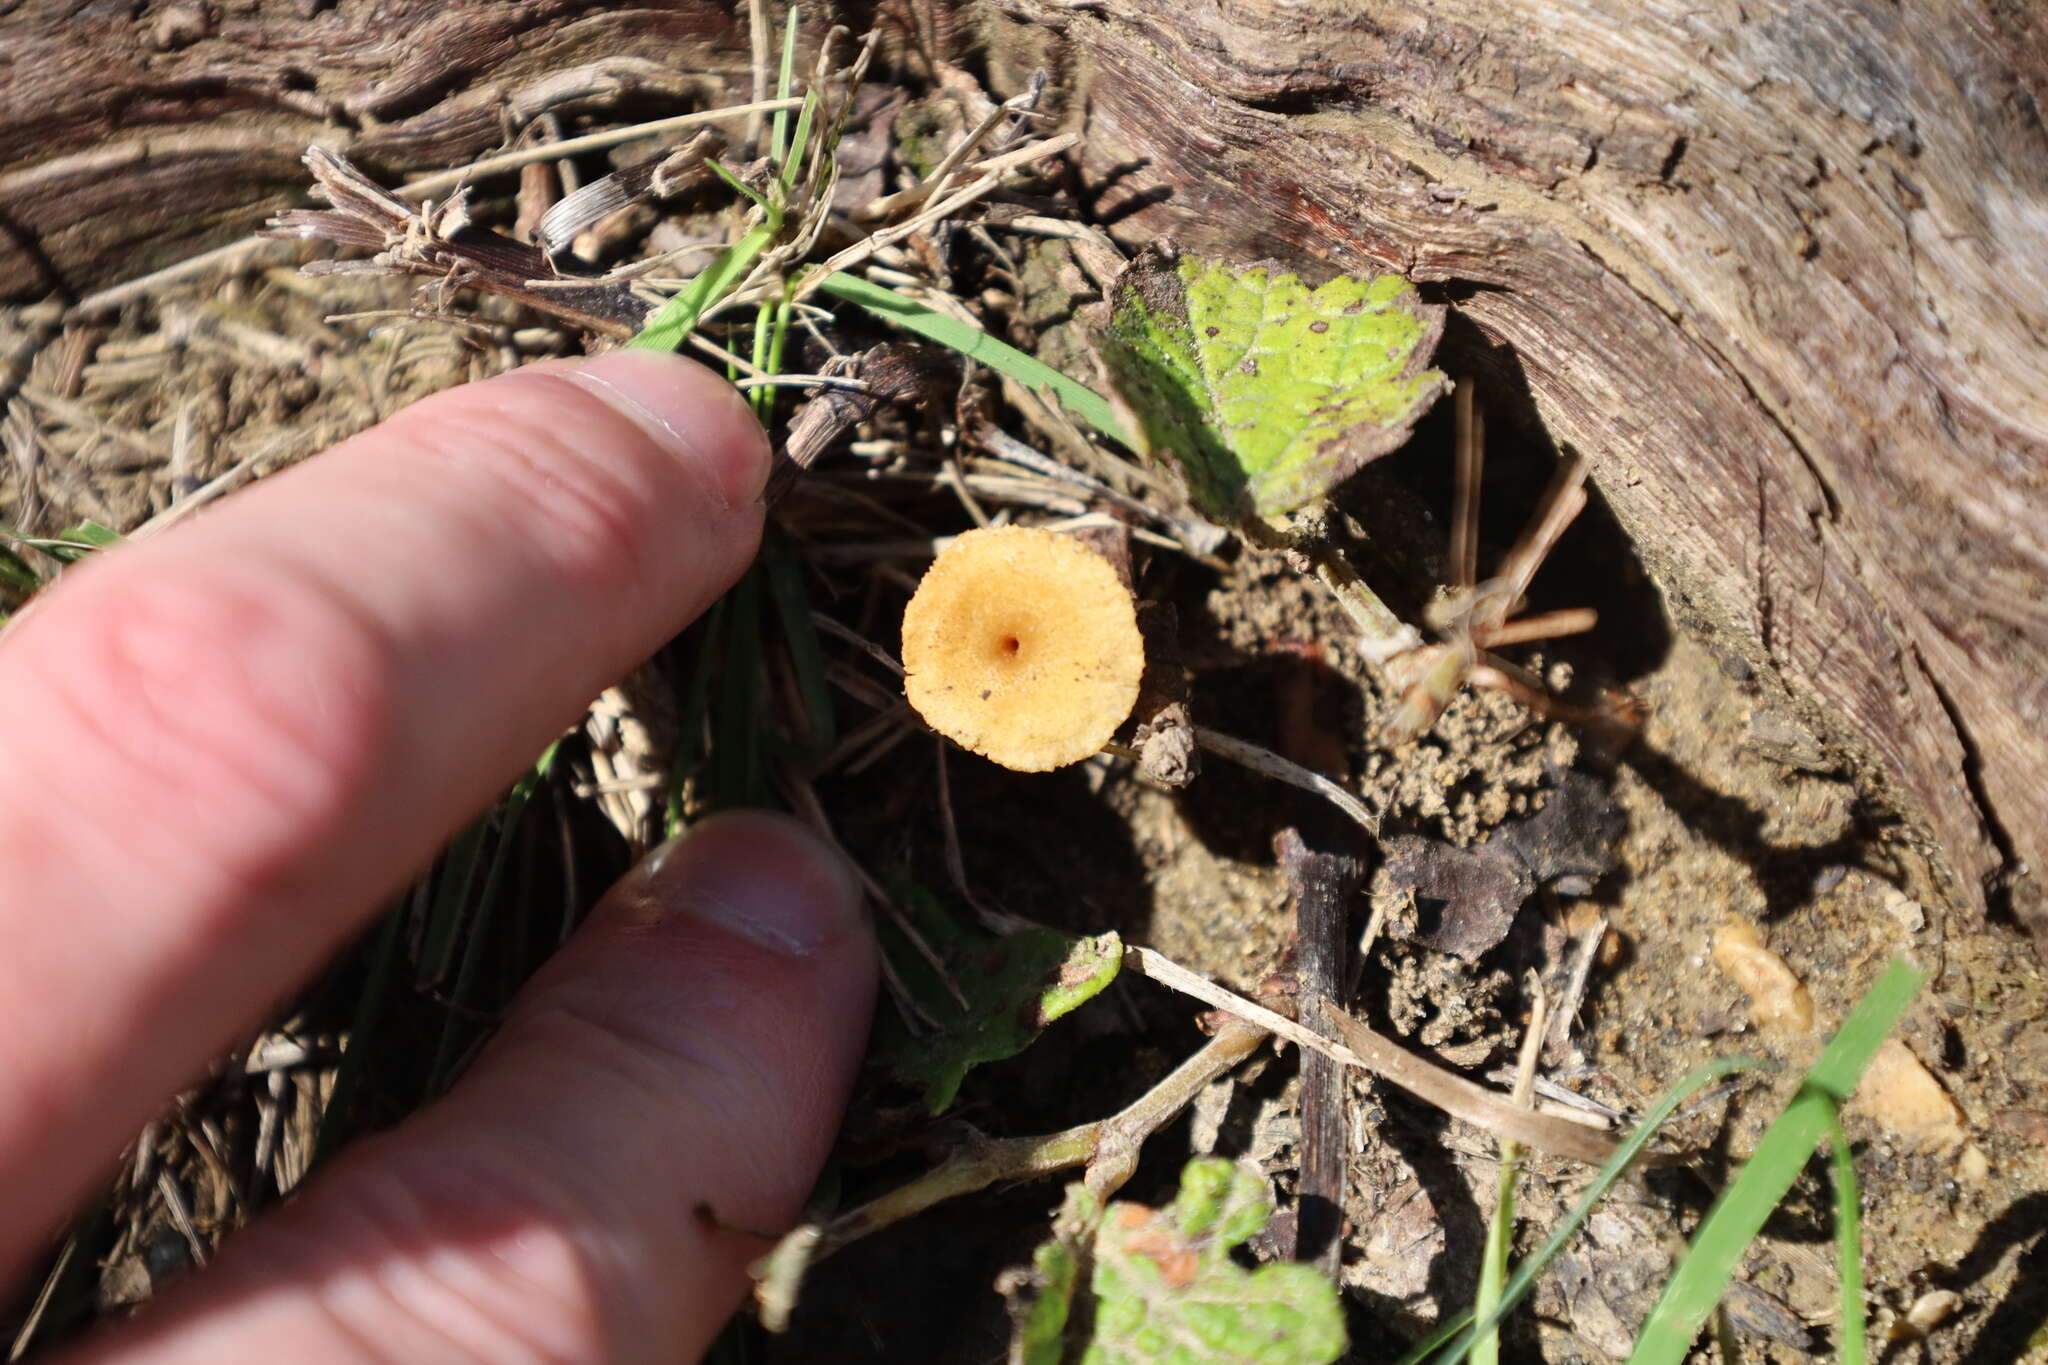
227	746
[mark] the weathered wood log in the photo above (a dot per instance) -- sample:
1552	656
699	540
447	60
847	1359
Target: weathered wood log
1779	270
133	135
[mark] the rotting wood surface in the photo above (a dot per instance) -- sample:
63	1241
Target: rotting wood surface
131	136
1780	271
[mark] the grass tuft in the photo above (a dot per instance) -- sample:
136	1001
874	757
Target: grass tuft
1739	1214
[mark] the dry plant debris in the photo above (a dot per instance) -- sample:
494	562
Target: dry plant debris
1022	645
1465	898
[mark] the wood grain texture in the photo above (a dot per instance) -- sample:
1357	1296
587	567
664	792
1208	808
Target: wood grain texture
1779	270
132	136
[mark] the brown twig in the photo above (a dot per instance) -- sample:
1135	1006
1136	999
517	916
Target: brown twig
1477	616
1108	1148
1361	1047
893	372
1273	765
439	242
428	186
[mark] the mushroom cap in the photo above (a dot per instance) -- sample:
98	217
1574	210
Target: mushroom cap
1023	646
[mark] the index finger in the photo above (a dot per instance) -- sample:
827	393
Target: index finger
224	747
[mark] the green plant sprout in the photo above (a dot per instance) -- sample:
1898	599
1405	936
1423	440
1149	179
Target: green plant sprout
1163	1288
784	192
1739	1214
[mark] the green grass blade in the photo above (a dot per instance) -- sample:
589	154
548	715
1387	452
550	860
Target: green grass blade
785	314
1851	1345
70	1289
778	145
970	341
806	655
74	543
348	1074
739	186
452	884
15	572
513	812
793	169
738	774
1739	1214
1453	1327
1524	1278
765	349
696	703
668	328
1493	1264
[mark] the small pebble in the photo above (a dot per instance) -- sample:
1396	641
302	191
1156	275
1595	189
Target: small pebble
1777	997
1909	913
1932	1309
1903	1096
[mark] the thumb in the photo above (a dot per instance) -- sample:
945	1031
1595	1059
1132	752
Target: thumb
692	1046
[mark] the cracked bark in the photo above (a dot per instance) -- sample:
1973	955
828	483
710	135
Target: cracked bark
1779	270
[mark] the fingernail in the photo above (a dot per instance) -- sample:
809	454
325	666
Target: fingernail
752	873
690	412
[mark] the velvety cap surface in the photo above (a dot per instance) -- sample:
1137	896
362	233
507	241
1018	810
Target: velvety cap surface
1023	646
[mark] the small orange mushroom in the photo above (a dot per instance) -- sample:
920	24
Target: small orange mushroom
1023	646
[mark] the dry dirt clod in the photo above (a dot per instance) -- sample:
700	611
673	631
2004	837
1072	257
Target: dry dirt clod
179	26
1931	1310
1903	1096
1023	646
1466	898
1778	999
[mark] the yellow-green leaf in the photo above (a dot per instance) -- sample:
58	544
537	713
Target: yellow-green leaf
1265	392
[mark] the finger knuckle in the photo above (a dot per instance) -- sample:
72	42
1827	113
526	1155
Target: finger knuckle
576	509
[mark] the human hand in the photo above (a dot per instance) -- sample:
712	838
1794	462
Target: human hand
225	747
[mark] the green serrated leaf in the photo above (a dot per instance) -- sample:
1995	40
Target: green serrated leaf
1267	393
1014	987
1041	1297
1165	1288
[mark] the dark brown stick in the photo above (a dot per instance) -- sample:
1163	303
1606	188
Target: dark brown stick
1322	885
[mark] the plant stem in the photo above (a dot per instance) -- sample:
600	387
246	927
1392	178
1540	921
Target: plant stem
1107	1147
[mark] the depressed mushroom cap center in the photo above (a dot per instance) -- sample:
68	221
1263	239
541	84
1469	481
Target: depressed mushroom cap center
1022	645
